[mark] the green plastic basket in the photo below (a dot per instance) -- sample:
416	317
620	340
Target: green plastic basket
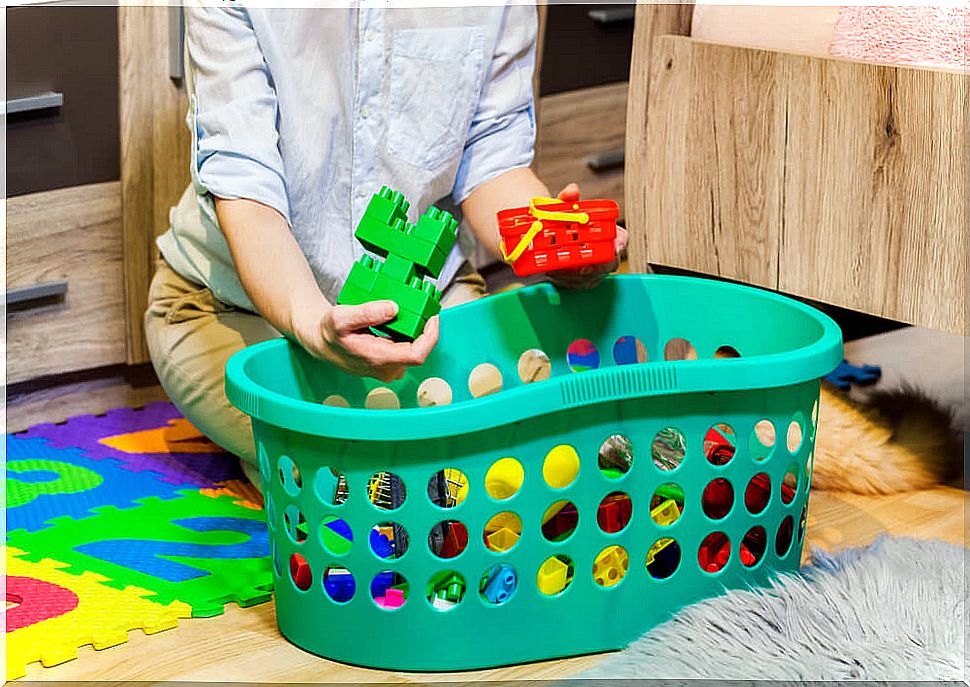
728	440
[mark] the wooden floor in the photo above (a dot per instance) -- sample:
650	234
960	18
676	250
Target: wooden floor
244	645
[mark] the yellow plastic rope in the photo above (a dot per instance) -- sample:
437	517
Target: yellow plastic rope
579	217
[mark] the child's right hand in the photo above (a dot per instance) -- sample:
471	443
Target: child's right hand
342	337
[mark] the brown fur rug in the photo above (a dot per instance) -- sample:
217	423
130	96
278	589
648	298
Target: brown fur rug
893	441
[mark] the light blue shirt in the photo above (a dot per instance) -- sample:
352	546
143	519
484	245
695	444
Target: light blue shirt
311	111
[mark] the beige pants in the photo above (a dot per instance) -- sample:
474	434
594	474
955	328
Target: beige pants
191	335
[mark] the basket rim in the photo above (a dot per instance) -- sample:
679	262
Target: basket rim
652	378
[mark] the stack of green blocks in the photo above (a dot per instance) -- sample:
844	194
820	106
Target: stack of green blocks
411	252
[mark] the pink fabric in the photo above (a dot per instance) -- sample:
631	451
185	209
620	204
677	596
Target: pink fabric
922	36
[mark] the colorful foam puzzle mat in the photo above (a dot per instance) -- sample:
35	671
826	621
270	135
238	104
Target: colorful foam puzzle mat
122	521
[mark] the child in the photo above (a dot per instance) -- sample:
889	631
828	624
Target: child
298	117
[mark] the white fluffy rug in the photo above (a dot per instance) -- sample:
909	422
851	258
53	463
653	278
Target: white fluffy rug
895	610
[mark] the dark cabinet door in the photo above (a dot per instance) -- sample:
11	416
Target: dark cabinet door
586	45
62	97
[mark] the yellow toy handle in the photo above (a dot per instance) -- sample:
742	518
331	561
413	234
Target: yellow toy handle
579	217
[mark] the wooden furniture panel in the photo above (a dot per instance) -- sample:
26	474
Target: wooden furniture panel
651	21
155	147
73	52
833	180
874	213
575	126
71	235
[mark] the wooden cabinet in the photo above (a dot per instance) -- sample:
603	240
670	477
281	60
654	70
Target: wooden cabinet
828	179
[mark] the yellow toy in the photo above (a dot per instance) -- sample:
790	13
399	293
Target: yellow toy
610	566
504	478
666	513
553	576
560	466
502	539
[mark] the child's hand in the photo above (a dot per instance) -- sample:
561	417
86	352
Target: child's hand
589	276
341	337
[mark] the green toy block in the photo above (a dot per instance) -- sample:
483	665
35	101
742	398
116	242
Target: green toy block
411	253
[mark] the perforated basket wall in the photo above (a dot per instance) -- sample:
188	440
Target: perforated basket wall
728	440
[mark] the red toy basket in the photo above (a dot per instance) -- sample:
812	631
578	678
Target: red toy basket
553	234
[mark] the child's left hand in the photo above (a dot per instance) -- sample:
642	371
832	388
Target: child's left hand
591	275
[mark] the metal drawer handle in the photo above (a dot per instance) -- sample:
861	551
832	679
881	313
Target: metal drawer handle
612	15
36	295
608	159
35	103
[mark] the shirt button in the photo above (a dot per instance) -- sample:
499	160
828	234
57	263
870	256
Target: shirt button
365	112
369	36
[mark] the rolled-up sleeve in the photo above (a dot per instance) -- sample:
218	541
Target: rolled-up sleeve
502	132
233	110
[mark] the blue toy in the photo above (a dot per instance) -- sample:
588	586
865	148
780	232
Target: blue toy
847	374
500	585
339	584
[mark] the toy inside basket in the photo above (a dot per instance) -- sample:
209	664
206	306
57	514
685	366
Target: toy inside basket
565	471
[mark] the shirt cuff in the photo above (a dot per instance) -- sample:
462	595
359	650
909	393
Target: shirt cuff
229	175
510	144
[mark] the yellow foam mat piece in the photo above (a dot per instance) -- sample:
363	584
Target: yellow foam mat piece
102	618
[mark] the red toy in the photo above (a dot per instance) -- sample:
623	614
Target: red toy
554	234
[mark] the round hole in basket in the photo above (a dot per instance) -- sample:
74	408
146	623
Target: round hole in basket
388	540
484	379
753	546
802	522
289	475
789	484
263	460
271	513
448	539
300	572
663	558
504	478
277	559
448	488
445	590
796	433
560	521
667	504
720	443
614	512
336	401
331	486
555	575
724	352
714	552
783	538
582	355
762	439
389	589
615	456
339	584
668	448
295	524
498	584
717	499
336	537
434	391
757	493
561	466
534	366
382	398
386	490
680	349
502	532
629	350
610	566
